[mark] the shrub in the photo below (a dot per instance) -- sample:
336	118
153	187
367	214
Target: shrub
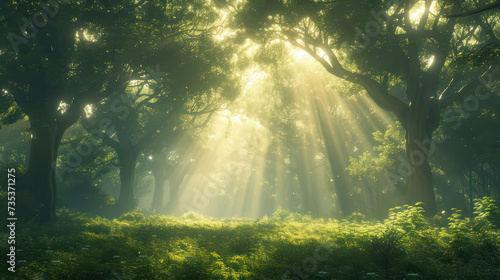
487	209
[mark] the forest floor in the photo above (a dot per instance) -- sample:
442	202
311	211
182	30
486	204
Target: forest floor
283	246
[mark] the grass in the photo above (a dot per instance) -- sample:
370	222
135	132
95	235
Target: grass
283	246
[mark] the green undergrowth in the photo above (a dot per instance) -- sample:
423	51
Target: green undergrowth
283	246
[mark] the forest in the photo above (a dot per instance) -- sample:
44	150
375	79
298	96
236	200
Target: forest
250	139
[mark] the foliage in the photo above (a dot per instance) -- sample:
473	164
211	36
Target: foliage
372	165
376	169
408	218
405	246
487	209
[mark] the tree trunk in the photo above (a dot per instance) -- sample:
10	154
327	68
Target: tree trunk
419	127
126	201
174	187
309	203
40	177
159	169
336	160
247	198
420	188
160	178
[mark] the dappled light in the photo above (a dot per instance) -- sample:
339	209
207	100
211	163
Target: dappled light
256	139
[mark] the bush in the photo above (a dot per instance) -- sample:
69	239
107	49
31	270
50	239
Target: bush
487	209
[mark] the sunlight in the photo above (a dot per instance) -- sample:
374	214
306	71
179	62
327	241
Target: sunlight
306	139
253	76
298	54
430	61
222	32
241	141
89	109
233	143
418	10
63	107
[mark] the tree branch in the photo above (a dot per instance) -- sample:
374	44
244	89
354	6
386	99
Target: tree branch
447	97
425	16
106	140
379	94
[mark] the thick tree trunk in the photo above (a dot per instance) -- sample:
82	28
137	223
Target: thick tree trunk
419	145
126	201
40	177
420	187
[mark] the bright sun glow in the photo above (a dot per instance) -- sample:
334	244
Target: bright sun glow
89	109
419	9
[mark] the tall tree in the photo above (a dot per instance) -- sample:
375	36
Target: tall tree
191	74
398	45
54	64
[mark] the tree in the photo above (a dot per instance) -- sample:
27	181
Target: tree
173	163
373	170
400	46
82	188
150	127
9	111
191	75
474	150
291	146
53	65
309	131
